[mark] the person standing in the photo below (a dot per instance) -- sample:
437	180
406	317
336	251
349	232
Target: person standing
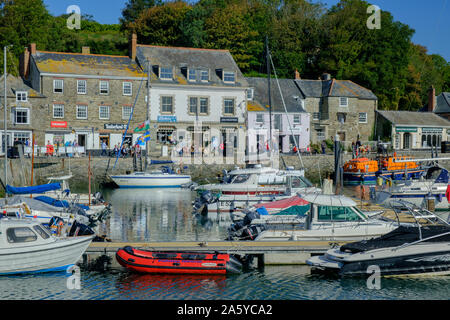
103	148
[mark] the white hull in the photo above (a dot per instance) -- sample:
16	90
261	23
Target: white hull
53	256
151	180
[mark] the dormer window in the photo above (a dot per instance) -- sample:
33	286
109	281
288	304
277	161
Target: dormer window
229	77
204	75
192	75
21	96
166	73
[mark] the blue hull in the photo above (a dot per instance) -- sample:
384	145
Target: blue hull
352	178
58	269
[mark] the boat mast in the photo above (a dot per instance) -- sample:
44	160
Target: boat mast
269	97
147	144
5	137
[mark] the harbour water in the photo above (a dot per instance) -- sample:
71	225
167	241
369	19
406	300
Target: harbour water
165	215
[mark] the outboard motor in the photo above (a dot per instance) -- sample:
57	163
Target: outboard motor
251	232
250	216
98	198
79	229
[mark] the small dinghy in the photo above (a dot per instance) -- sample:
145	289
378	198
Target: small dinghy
177	262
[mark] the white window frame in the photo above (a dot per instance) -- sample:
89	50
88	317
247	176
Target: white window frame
22	109
162	105
341	102
365	117
202	73
126	115
79	107
163	74
127	91
299	119
55	81
21	96
227	74
200	105
225	106
316	116
78	87
102	82
260	121
55	106
250	93
100	112
192	72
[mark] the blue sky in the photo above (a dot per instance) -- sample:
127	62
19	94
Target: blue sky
428	18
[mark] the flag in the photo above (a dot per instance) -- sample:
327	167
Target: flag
143	139
143	127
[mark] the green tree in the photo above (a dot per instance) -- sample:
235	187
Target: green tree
133	8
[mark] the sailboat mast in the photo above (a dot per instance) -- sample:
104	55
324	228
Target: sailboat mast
269	96
5	137
147	144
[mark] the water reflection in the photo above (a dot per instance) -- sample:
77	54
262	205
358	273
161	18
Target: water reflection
142	215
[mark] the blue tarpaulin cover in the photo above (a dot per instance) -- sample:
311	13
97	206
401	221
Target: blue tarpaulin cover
58	203
34	189
161	162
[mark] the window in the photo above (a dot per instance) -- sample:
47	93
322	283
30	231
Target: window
362	117
192	75
204	75
204	103
327	213
316	116
22	116
320	133
104	87
41	231
193	101
259	118
22	234
241	178
127	89
166	104
103	113
341	117
81	86
58	86
22	136
58	111
21	96
228	106
166	73
250	92
343	102
126	112
228	77
297	119
82	112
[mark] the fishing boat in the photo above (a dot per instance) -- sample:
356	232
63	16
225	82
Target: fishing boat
408	250
330	218
430	190
144	261
165	177
28	247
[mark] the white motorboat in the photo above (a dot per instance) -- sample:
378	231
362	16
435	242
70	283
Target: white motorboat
432	187
28	247
330	218
153	179
258	181
407	250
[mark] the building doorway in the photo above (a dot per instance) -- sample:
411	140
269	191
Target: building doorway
82	140
406	140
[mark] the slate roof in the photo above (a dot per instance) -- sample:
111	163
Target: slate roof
183	58
410	118
288	88
334	88
87	64
14	84
442	103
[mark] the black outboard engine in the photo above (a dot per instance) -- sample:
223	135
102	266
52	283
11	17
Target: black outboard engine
79	229
251	232
243	230
98	198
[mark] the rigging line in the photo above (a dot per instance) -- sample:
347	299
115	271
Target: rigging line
285	109
128	125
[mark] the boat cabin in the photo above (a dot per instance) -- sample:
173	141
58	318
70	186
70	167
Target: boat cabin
22	232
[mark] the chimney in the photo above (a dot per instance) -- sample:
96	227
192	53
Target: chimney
133	46
24	62
32	48
326	76
297	75
85	50
431	99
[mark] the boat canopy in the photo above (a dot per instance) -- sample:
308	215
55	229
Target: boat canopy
328	200
34	189
284	203
161	162
59	203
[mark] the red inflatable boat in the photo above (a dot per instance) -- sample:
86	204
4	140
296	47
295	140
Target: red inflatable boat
177	262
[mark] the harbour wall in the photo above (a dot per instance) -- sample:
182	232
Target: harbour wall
317	167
